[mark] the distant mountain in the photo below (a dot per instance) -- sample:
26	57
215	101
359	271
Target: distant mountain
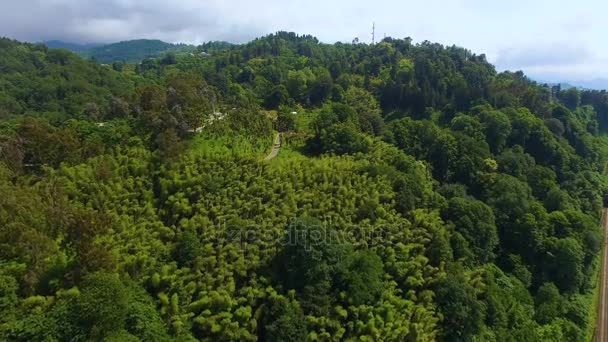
74	47
133	50
594	84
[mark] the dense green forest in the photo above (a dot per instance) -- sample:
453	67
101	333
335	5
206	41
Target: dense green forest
132	50
419	195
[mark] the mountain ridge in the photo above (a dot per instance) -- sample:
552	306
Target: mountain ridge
132	51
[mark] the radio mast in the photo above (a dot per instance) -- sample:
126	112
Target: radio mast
374	33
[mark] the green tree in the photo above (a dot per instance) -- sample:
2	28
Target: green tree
283	320
361	278
102	305
497	128
475	221
571	97
342	139
367	109
549	303
285	122
565	264
309	261
278	96
169	59
462	312
187	248
8	298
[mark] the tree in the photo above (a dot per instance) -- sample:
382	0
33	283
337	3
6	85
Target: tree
342	139
169	144
152	98
468	125
8	298
142	319
285	122
555	126
44	144
367	109
102	305
466	160
516	162
497	127
475	221
169	59
278	96
82	232
298	83
510	197
309	260
571	97
360	278
462	312
549	303
119	108
521	222
283	320
564	264
321	87
118	66
91	110
187	248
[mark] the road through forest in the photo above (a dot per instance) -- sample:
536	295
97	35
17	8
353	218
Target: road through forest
275	147
601	331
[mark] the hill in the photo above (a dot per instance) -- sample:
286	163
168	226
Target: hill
418	195
133	50
74	47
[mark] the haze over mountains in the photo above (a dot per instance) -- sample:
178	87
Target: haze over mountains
74	47
597	84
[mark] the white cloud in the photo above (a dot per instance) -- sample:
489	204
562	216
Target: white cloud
543	54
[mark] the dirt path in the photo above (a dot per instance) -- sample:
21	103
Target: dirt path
601	331
275	147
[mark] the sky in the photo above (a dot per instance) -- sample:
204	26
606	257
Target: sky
550	40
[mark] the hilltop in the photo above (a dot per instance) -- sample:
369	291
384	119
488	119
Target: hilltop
74	47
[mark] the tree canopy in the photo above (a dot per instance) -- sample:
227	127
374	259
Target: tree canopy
418	195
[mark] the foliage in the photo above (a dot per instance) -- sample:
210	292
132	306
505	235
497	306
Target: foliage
419	195
132	51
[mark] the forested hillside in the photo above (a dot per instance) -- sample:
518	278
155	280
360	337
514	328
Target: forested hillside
132	51
419	195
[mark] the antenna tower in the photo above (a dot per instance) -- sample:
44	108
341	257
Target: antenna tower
374	33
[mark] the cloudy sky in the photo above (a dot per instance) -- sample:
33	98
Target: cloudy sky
551	40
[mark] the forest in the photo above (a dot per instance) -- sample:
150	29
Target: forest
132	51
419	195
